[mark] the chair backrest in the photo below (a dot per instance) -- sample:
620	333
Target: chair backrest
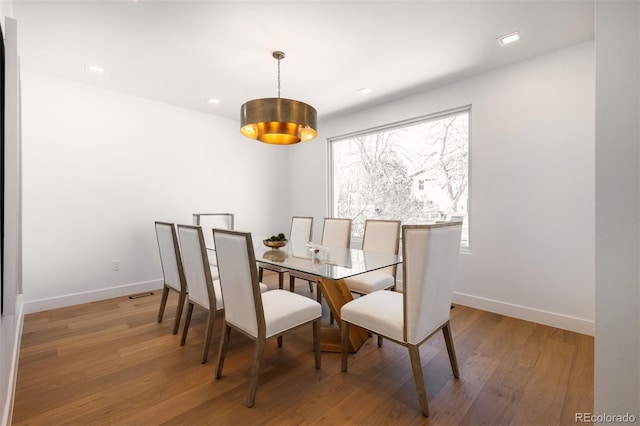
300	235
170	256
382	236
336	232
430	257
239	281
208	221
196	266
301	228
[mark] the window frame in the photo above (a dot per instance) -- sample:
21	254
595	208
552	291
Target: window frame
396	125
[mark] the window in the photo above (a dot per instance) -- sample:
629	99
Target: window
416	171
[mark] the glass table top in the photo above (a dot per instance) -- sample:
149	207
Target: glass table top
333	263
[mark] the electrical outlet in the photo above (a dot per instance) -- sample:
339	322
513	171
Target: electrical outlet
115	265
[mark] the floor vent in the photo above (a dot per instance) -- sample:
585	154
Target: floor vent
138	296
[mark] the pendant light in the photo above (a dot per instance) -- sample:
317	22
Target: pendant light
278	121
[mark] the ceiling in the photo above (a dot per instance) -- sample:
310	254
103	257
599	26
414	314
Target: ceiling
185	52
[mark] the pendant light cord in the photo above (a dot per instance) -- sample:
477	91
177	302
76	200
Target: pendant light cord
278	55
278	77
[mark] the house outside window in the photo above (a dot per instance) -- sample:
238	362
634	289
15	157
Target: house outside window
416	171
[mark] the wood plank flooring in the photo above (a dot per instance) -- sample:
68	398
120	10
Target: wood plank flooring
111	363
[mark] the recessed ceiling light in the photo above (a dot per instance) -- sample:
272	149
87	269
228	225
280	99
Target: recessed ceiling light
94	69
508	38
365	90
213	101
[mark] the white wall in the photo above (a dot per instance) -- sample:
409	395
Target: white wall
532	183
100	167
6	10
617	343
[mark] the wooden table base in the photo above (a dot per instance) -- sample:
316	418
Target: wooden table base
337	294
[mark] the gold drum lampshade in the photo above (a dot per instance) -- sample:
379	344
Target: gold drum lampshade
278	121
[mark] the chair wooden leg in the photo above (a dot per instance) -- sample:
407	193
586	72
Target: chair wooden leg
316	341
211	318
163	303
260	273
181	298
280	280
292	283
279	341
310	287
345	343
255	372
222	352
187	321
380	340
418	378
448	339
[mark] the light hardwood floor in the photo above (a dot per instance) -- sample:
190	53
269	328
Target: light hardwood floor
111	363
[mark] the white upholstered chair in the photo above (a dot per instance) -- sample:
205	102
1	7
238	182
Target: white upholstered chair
172	271
430	257
336	233
300	233
382	236
259	316
208	221
202	289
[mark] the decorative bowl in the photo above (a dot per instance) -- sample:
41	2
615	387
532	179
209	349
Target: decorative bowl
274	244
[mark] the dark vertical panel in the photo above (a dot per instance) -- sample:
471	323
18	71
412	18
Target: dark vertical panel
1	170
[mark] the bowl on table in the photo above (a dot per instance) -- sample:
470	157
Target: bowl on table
274	244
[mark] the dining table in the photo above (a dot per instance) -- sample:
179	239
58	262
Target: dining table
329	267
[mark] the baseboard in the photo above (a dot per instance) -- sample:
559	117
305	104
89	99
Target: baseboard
89	296
10	334
565	322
